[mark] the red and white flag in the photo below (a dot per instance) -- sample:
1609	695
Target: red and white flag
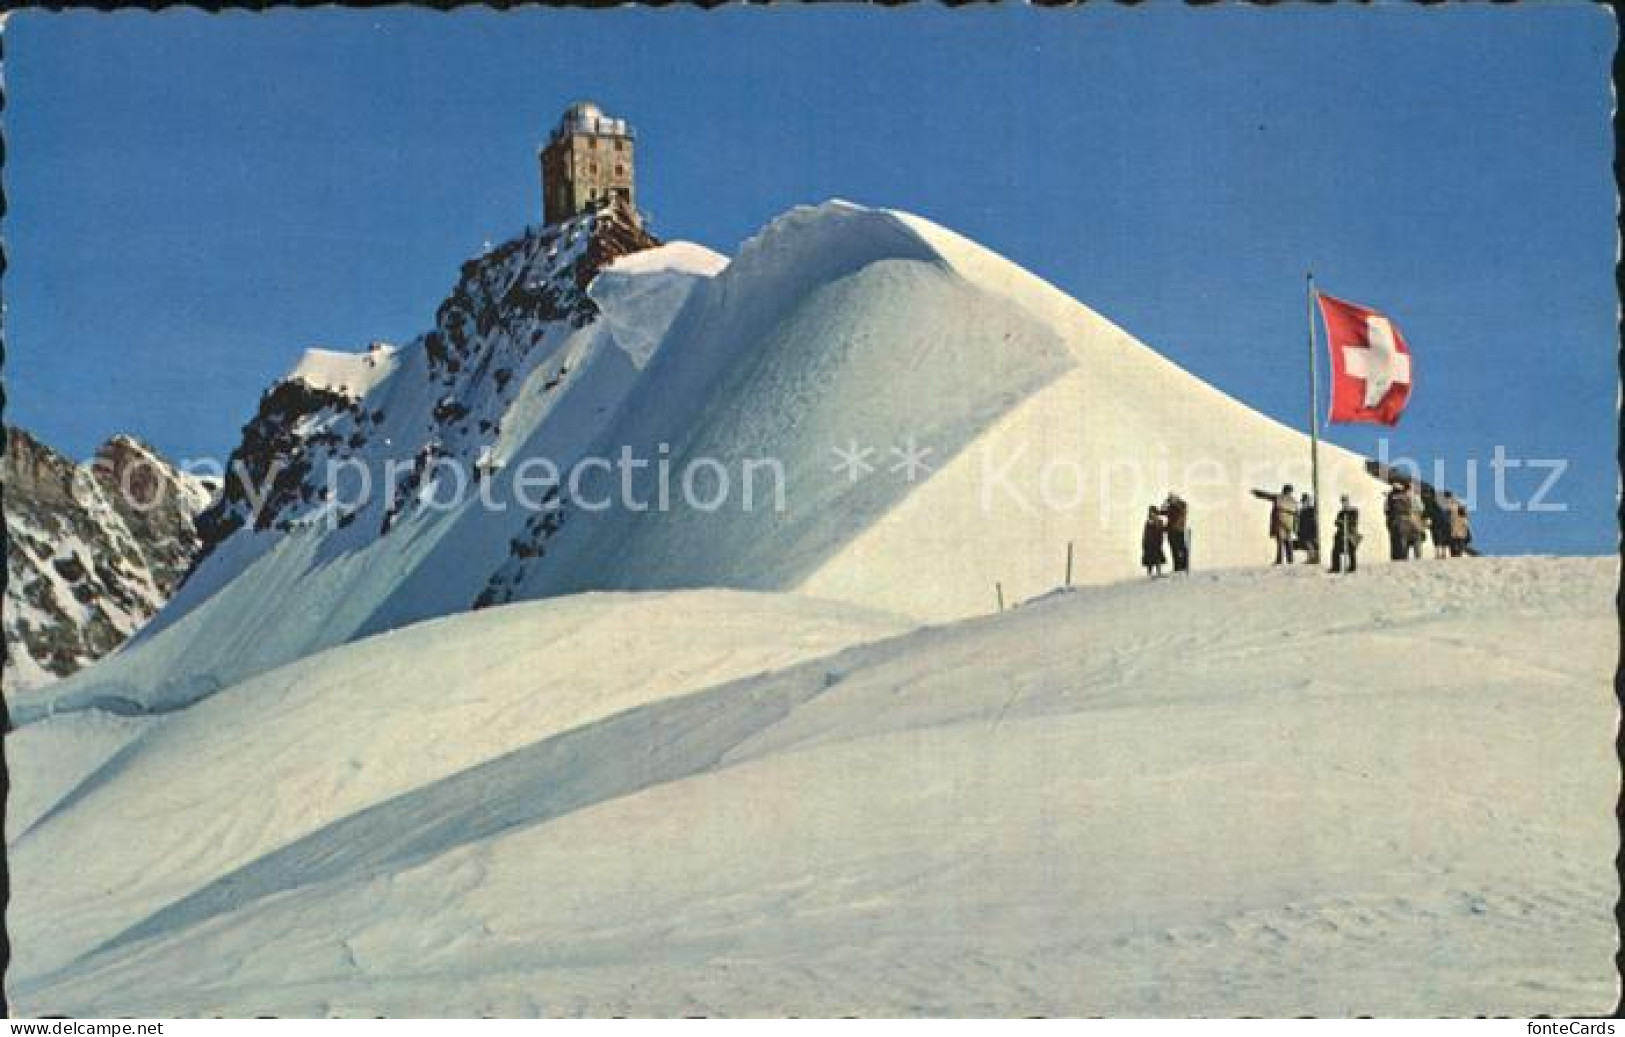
1371	364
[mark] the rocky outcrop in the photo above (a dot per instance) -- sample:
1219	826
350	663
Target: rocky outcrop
491	330
93	550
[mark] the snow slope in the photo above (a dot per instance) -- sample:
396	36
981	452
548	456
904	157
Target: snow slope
353	374
1037	423
1261	792
1080	461
840	325
432	701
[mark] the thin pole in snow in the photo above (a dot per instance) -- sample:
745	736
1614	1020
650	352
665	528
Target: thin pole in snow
1069	563
998	588
1314	410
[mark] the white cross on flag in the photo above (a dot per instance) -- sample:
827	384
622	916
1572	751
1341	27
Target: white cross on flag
1371	364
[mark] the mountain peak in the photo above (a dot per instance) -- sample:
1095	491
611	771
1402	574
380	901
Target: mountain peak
95	549
518	328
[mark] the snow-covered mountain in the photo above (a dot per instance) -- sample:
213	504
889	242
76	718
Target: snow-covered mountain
95	549
1259	792
993	421
471	743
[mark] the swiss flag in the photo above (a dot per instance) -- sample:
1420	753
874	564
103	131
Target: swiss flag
1371	364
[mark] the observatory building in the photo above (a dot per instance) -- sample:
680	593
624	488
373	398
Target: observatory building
587	164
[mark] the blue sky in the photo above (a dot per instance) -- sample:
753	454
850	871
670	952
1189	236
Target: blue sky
194	198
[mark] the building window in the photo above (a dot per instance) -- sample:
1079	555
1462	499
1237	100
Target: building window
620	170
620	145
592	142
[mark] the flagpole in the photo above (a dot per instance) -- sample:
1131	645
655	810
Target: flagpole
1314	415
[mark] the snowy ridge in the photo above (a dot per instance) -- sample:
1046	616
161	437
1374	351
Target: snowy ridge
800	344
1052	811
835	326
839	324
353	374
678	257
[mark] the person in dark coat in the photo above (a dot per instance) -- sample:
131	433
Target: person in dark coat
1346	538
1175	516
1438	515
1461	530
1396	512
1309	529
1151	555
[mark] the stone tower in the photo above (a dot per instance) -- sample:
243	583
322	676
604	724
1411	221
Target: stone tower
586	164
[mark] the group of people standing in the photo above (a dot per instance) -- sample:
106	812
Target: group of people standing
1411	520
1294	526
1168	523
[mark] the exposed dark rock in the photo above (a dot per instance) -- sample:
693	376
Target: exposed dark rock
93	550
